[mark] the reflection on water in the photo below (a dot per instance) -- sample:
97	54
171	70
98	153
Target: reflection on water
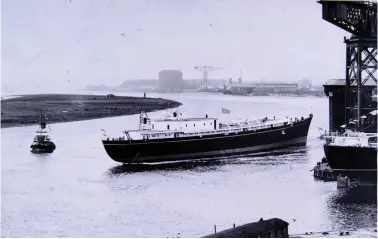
263	158
353	208
207	165
360	195
274	157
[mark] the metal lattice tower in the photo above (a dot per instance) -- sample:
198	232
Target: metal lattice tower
360	19
205	72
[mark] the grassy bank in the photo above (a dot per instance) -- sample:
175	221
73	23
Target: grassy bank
26	109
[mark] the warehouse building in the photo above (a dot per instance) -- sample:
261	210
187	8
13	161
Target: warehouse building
170	81
263	88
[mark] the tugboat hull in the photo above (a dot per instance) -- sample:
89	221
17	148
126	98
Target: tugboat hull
208	146
42	142
41	149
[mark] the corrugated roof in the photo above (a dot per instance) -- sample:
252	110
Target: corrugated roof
335	82
343	82
250	230
264	85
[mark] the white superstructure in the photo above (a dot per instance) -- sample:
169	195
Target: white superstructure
173	125
351	139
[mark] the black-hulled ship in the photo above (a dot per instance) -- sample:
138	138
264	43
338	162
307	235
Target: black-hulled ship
42	142
174	138
353	152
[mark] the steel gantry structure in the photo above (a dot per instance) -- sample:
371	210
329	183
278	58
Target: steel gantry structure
360	19
205	72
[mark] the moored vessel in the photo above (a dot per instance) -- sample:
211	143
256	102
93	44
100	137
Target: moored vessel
175	138
353	151
42	141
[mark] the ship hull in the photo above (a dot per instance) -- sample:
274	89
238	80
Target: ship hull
41	149
209	146
352	161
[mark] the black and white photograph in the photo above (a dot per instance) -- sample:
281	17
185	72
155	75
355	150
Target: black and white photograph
188	119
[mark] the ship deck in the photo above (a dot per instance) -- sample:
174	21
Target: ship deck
226	128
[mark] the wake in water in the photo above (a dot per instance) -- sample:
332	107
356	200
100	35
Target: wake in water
262	158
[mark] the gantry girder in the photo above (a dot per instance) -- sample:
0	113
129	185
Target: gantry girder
360	19
205	72
356	17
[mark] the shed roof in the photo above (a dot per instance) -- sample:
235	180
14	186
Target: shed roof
265	85
335	82
342	82
250	230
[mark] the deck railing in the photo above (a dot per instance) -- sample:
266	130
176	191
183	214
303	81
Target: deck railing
350	134
236	126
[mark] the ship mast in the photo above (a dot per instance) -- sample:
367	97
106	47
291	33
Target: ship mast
143	119
140	118
43	121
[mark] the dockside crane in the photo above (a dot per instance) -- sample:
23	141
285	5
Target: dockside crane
205	72
358	18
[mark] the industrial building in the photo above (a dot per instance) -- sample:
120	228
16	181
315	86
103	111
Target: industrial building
146	85
198	83
263	88
170	81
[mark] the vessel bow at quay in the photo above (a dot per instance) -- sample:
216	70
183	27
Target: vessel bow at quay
352	153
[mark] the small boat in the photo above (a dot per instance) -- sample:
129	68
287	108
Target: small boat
174	138
42	141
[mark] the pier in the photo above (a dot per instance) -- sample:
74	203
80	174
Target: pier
349	233
278	228
324	172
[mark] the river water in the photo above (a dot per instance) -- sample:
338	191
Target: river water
78	191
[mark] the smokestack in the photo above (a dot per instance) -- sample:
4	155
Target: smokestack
240	78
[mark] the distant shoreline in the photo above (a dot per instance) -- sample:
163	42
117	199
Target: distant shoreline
24	110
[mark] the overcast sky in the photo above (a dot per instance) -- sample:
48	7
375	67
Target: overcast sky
69	44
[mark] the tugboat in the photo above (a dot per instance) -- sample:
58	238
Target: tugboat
42	142
174	138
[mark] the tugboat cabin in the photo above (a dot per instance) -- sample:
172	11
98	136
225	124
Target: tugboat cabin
42	137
